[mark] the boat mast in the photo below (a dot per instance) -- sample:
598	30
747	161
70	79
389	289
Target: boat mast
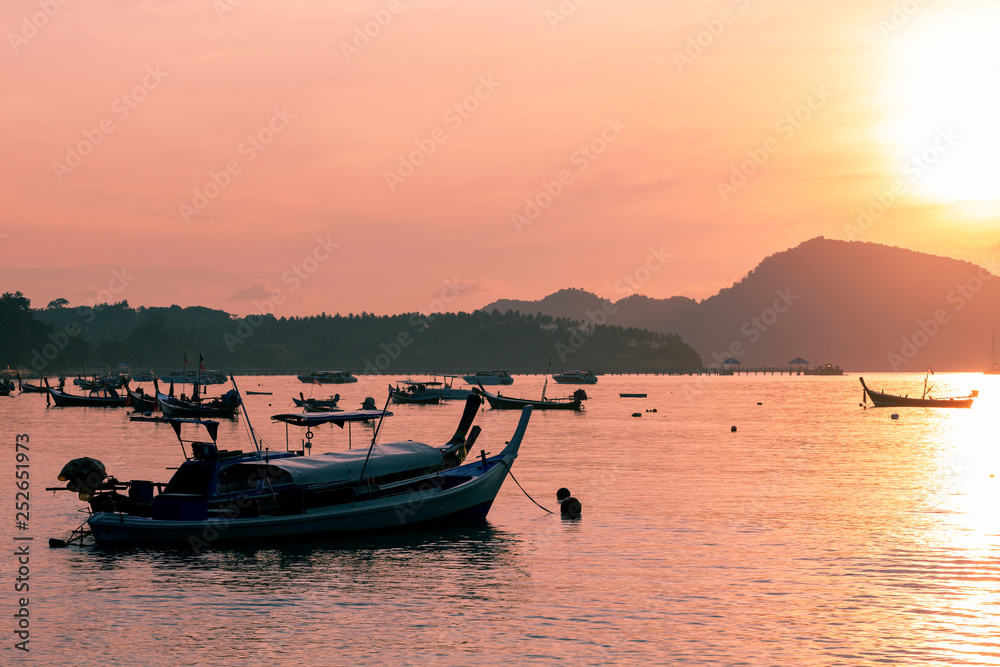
246	417
545	386
378	426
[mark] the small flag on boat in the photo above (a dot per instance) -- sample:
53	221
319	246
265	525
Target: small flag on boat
201	362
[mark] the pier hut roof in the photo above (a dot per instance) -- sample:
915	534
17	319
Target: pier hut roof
798	360
731	360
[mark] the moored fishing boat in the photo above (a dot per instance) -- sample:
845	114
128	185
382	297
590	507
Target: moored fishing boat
101	382
220	496
139	400
489	378
828	369
575	377
95	398
880	399
224	406
499	402
202	377
317	404
327	377
445	388
28	388
413	393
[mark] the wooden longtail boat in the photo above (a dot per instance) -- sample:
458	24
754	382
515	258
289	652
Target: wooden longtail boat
880	399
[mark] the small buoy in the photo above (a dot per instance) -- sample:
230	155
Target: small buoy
733	429
894	415
569	507
654	409
759	403
56	543
636	414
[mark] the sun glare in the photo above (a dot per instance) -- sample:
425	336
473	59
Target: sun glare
945	92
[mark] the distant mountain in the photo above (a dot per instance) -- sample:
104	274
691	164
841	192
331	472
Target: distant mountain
864	306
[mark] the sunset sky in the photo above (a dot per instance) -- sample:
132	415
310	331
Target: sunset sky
394	156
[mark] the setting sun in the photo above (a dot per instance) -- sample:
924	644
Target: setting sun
945	131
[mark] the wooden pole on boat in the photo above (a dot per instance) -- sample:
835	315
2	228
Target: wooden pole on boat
246	417
546	385
374	437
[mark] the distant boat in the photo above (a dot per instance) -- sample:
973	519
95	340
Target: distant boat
6	387
829	369
105	382
196	408
195	377
880	399
993	368
414	393
327	377
101	397
444	388
500	402
317	404
258	393
488	377
631	395
575	377
140	400
27	388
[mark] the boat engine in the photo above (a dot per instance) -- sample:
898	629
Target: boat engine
83	476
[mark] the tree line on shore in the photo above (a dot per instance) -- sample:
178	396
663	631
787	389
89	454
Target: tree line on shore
61	338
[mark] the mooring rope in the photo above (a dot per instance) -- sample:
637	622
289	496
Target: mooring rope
511	473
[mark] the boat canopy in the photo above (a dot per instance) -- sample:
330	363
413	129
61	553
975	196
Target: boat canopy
340	467
338	418
210	425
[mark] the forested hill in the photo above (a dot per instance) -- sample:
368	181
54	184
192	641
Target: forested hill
864	306
61	337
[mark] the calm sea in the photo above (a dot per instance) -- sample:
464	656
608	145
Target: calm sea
818	533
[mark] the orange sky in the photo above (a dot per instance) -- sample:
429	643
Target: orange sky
259	155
